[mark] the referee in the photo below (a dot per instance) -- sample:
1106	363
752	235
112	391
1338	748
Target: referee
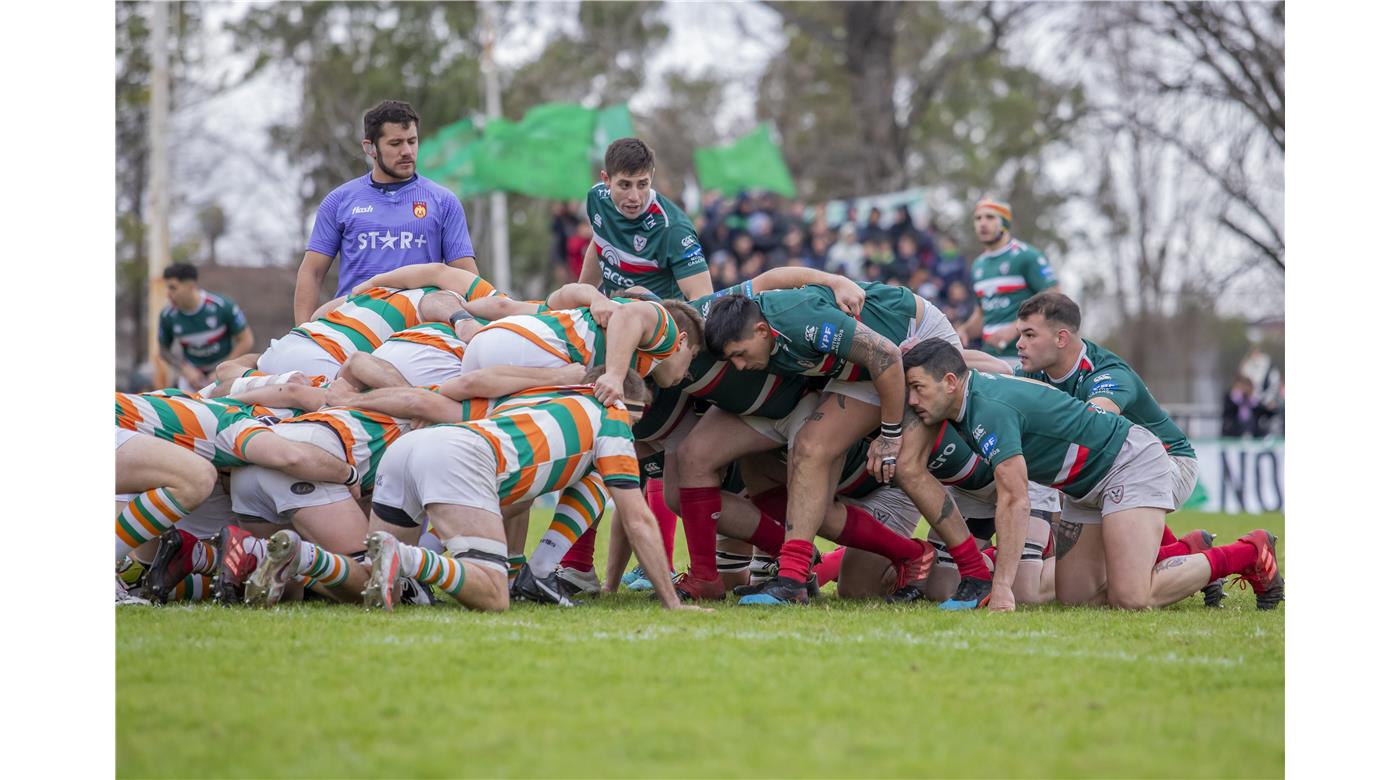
388	218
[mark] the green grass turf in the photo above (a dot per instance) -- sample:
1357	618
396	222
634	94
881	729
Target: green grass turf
621	688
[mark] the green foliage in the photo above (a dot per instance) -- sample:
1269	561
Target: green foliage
622	689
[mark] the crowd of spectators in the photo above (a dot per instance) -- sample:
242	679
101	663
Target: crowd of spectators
752	233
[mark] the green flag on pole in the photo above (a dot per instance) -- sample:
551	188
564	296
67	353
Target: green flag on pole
552	152
754	162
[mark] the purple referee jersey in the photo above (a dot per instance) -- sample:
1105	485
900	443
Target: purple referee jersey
375	231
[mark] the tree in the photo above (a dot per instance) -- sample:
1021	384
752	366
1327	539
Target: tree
874	97
212	224
1215	73
133	74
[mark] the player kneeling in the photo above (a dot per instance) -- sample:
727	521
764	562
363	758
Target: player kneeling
459	477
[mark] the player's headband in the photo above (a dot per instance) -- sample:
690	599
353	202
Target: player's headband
1002	210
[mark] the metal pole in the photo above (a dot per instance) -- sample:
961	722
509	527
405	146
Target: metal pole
500	237
158	221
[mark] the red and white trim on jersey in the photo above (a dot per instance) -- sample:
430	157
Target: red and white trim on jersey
1075	458
968	467
1082	364
626	261
1000	285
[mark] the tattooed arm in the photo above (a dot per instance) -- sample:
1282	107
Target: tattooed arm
880	358
1012	524
933	500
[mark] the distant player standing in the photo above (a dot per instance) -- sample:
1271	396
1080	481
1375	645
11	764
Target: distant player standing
1005	274
640	238
209	328
388	218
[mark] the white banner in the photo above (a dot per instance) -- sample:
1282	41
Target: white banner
1239	476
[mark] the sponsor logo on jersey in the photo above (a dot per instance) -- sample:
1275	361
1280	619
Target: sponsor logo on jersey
211	320
598	220
1103	387
389	239
687	241
362	210
302	488
1006	268
1115	494
828	338
420	209
979	432
988	444
811	334
649	222
639	242
1102	378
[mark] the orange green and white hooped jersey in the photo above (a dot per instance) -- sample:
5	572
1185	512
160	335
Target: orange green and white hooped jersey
546	439
427	353
213	428
572	336
366	320
364	434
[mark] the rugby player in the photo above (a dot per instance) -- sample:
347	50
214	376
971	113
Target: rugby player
459	476
168	487
1006	273
1115	475
640	238
803	332
1051	350
209	328
388	218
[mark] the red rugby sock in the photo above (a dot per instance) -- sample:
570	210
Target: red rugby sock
700	508
830	566
768	536
969	560
864	532
1231	559
795	559
580	556
665	518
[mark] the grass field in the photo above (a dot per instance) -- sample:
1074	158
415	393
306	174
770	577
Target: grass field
621	688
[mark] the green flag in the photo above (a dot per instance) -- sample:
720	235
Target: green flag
552	152
753	162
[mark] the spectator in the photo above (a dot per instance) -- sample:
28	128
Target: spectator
1259	368
1238	416
820	246
760	229
925	284
575	247
907	256
794	247
871	273
903	224
846	257
872	232
209	329
958	302
949	265
878	251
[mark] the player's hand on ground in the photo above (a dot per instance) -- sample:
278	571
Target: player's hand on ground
603	311
881	459
1002	599
607	389
849	296
341	393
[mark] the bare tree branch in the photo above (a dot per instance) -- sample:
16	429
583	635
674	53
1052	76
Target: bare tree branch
1268	251
791	14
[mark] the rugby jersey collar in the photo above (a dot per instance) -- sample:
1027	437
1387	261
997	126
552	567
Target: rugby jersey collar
1009	244
646	207
967	391
1080	362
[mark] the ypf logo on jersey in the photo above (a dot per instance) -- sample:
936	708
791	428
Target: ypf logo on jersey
420	209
